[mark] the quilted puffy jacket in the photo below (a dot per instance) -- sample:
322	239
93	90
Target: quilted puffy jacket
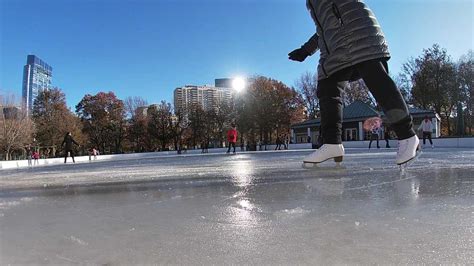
347	33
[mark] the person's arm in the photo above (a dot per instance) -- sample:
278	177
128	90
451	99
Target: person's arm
307	49
75	142
421	125
311	46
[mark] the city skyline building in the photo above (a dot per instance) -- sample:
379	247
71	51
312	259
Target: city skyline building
37	75
208	97
223	82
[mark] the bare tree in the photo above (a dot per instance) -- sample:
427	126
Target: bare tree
16	128
179	124
307	86
132	104
160	124
357	91
465	73
433	83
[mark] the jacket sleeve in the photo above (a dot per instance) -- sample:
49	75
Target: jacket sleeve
311	46
421	125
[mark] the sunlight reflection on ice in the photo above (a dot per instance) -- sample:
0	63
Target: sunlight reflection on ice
242	173
242	212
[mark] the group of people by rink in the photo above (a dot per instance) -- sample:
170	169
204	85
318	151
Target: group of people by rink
33	155
425	128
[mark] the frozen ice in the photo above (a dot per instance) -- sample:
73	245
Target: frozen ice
253	208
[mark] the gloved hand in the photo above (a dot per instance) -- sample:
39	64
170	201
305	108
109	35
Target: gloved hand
299	54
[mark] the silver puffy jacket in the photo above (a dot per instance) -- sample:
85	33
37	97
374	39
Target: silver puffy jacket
347	33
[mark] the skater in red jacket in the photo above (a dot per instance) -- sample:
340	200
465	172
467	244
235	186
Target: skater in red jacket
232	138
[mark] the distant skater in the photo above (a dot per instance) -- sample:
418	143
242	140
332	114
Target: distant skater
93	154
386	136
68	149
352	47
29	155
232	138
278	143
36	156
374	134
426	127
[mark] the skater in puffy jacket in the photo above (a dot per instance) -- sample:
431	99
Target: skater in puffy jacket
68	142
352	46
232	137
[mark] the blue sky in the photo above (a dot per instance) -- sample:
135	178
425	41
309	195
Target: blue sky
148	48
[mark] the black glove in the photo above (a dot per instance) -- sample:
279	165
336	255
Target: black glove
299	54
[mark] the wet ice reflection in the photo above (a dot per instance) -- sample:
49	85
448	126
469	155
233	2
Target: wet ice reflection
242	171
242	211
256	209
327	187
243	214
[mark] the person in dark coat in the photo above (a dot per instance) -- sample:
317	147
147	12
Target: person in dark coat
29	155
278	143
68	143
386	136
374	134
352	47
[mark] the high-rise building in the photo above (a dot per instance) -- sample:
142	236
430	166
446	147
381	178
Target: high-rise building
205	96
230	82
224	82
37	75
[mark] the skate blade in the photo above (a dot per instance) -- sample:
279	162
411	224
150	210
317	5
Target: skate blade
405	165
318	166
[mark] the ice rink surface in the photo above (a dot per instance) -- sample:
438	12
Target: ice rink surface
252	208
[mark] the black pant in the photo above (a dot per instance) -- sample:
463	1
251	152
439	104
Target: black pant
372	137
231	144
71	152
383	88
387	144
427	135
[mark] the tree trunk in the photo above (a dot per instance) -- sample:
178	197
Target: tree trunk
448	124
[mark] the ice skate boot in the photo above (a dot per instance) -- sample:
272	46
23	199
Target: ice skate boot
408	150
324	153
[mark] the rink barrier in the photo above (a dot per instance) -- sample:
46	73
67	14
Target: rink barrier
438	143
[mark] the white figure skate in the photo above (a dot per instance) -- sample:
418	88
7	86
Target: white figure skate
324	153
408	151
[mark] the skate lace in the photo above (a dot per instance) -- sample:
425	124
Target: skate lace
323	148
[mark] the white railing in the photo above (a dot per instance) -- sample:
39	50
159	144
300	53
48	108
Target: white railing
438	143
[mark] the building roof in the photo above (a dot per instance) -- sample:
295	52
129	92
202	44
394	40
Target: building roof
353	112
359	111
417	111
